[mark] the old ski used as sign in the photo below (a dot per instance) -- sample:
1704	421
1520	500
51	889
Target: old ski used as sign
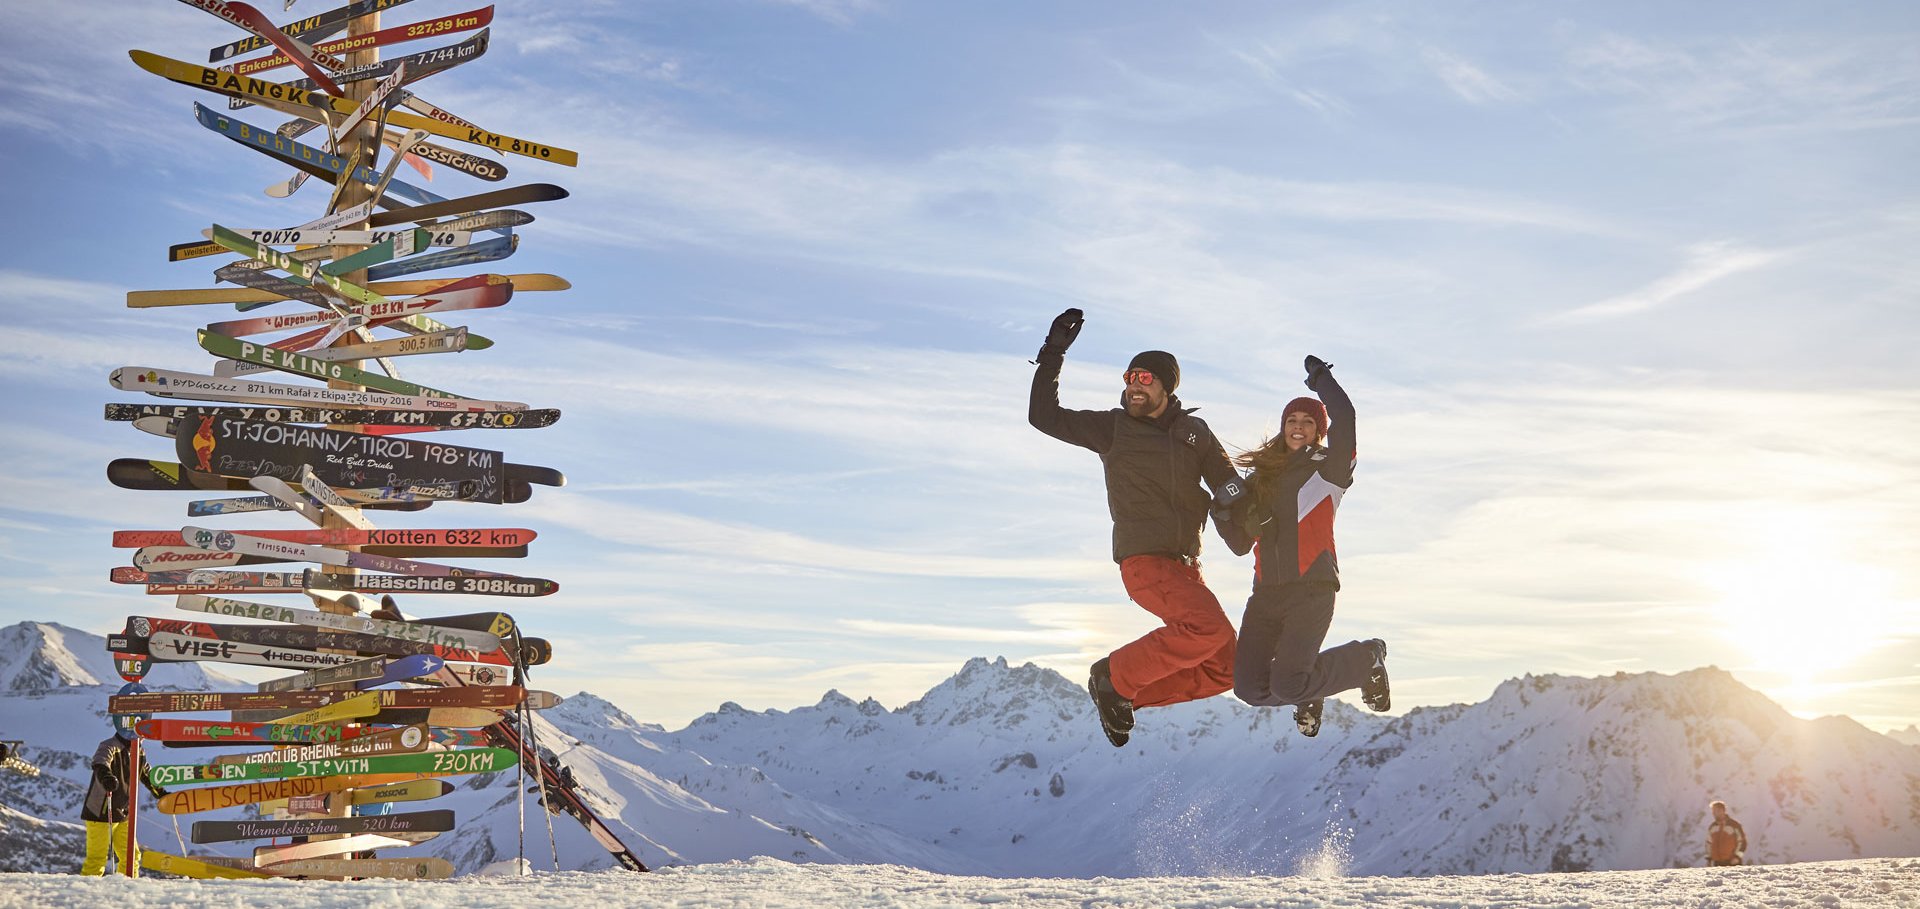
308	638
391	583
313	62
475	292
247	448
399	740
451	341
166	383
474	760
336	869
316	27
330	370
396	538
171	647
445	25
419	65
135	473
246	299
412	791
227	542
440	820
345	673
301	272
191	732
192	701
423	631
183	866
212	798
437	419
280	95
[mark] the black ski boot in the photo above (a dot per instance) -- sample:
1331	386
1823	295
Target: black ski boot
1116	712
1306	717
1374	692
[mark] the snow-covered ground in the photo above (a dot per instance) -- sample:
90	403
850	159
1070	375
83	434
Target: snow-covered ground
1863	884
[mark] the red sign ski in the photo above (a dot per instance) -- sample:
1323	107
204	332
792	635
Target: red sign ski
445	25
477	292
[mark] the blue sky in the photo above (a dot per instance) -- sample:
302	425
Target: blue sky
1624	294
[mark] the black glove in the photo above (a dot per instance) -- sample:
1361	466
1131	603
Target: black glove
1316	368
1066	327
1231	491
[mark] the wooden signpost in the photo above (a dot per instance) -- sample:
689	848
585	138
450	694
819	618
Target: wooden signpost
380	703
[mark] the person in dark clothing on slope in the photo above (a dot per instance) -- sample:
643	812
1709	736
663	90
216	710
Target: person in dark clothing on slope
1726	839
1287	506
108	797
1155	454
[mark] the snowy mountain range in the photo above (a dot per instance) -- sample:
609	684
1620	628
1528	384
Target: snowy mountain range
1000	770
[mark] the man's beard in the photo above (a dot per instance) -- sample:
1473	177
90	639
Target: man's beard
1141	409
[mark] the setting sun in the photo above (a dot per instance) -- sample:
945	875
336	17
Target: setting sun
1797	605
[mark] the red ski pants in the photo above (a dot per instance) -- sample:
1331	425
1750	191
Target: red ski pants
1188	659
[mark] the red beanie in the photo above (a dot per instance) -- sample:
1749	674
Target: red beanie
1312	408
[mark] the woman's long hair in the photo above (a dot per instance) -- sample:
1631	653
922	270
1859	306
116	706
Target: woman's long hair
1267	460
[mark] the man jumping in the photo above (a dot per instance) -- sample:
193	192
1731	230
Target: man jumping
1155	454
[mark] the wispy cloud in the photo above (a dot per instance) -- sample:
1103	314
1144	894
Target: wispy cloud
39	91
839	12
1769	82
1706	263
1261	59
656	529
1465	79
47	290
1083	223
974	634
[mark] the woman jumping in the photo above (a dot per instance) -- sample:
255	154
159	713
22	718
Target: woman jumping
1288	503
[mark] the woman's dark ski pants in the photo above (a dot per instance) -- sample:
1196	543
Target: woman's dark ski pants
1279	660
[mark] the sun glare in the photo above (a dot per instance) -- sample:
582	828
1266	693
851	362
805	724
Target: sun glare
1797	606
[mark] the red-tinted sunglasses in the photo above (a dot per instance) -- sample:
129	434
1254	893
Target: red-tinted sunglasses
1137	377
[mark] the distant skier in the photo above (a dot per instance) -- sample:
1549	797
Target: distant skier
1155	454
1287	504
1726	839
105	808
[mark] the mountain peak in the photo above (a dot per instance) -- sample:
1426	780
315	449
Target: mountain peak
40	656
45	656
591	710
1009	696
1697	705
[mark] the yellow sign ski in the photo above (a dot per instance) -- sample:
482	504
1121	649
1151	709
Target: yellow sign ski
278	94
360	705
186	867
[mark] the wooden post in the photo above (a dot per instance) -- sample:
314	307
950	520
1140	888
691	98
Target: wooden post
367	143
131	854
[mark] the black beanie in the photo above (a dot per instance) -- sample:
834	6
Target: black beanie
1162	364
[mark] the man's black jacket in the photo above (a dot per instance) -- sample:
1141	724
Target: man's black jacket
1153	467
